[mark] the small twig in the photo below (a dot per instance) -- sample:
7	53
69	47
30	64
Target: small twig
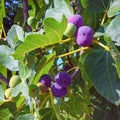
68	58
78	4
4	79
75	72
72	52
26	15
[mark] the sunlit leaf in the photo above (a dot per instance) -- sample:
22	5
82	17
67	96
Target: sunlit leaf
1	94
52	36
61	7
14	34
114	8
7	60
113	30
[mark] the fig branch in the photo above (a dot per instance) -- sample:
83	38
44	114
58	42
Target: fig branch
102	45
72	52
4	79
25	12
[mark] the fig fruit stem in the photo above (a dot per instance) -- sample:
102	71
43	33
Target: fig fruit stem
102	45
66	40
34	103
72	52
103	19
4	33
44	101
75	72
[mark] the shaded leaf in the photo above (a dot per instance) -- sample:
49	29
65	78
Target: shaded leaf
116	56
26	117
47	114
7	110
95	5
101	70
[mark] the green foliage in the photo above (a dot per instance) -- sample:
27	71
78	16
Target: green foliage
61	7
6	59
7	110
14	34
114	8
1	94
96	6
112	30
99	65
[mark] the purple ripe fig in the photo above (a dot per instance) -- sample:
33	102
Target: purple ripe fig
58	91
70	30
45	79
84	36
63	79
76	20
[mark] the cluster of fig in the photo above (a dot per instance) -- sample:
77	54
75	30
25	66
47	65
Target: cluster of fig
14	81
58	88
75	27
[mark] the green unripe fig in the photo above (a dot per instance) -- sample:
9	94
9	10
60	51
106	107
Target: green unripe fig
14	81
8	95
8	92
32	22
33	90
70	30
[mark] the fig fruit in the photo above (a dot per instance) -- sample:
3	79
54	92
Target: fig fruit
76	20
58	91
70	30
8	95
84	36
14	80
63	79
